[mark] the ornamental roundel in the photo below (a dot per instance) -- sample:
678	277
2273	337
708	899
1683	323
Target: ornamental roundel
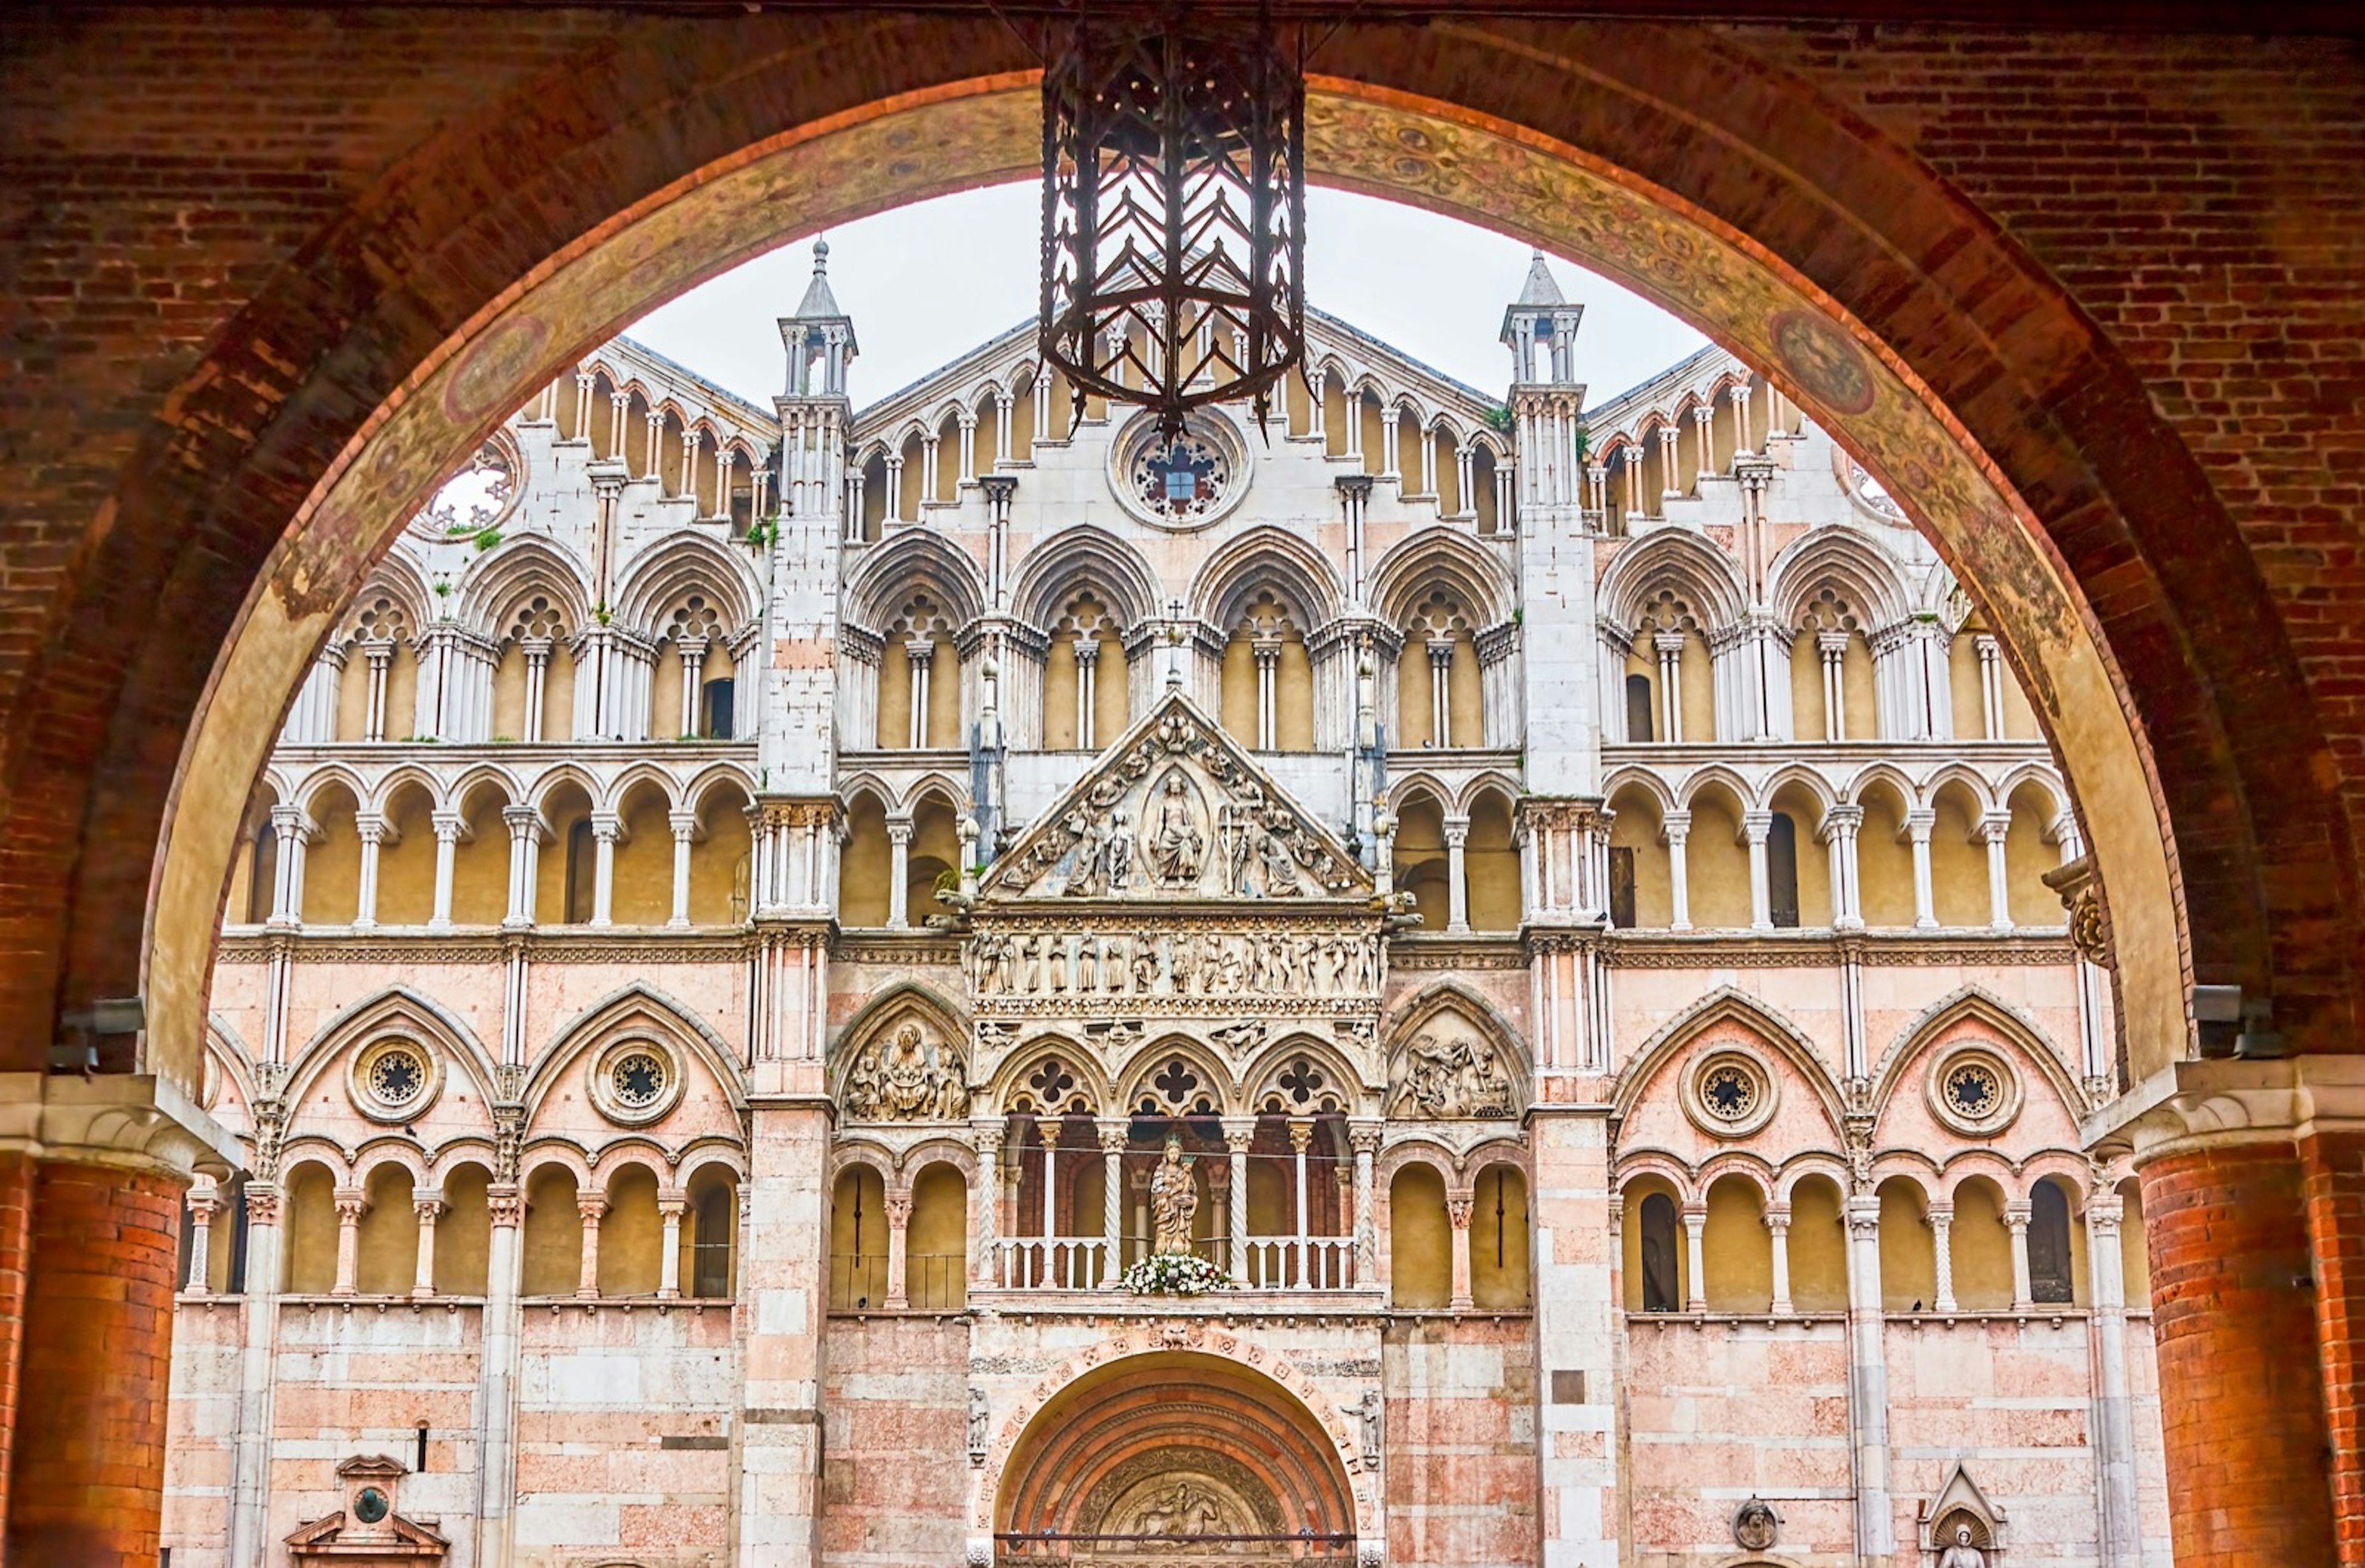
635	1081
1184	484
1973	1091
1729	1092
395	1078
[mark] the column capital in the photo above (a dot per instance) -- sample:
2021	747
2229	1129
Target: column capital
607	826
685	825
1918	823
1756	827
430	1210
1676	826
351	1204
1115	1132
1840	820
2018	1212
593	1209
1993	828
1776	1217
1301	1133
1238	1133
1458	1209
1668	641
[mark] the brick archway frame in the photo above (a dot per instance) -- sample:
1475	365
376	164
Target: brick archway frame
240	505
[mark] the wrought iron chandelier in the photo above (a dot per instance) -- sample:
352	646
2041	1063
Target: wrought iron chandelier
1173	209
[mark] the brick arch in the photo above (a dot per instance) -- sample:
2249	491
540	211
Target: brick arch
514	239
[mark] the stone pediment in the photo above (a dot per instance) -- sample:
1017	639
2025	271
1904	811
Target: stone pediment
1176	812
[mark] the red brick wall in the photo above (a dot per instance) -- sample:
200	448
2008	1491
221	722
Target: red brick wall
2241	1406
88	1464
15	1250
2335	1171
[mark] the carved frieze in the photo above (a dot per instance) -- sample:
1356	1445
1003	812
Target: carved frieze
1170	969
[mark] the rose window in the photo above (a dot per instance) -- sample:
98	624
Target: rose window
638	1079
1182	482
397	1077
1728	1090
1973	1091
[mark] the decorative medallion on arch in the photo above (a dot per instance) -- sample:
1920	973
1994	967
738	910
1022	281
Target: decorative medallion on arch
1184	1459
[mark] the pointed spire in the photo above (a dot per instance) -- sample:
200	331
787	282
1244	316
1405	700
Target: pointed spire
1540	289
819	303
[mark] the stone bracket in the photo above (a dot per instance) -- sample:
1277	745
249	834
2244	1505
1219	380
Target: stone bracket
136	1121
2219	1101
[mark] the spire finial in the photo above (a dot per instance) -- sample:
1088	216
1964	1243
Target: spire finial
820	255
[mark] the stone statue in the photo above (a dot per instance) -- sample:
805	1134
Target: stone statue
1280	871
1173	1200
1962	1553
1370	1413
1178	848
1118	855
1091	842
981	1417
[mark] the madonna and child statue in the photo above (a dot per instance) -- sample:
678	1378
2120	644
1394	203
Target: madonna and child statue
1174	1201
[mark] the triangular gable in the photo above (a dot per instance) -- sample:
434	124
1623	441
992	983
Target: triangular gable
1176	811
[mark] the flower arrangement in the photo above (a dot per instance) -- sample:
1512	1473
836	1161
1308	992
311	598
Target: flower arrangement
1175	1273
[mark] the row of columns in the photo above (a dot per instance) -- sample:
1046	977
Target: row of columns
1940	1217
1115	1138
294	832
352	1204
1750	683
1838	832
693	440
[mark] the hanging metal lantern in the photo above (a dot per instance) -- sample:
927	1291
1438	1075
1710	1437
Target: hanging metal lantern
1174	210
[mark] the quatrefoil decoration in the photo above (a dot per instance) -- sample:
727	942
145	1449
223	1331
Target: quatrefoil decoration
1301	1083
1051	1083
1175	1082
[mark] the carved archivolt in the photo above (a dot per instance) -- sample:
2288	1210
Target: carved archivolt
908	1076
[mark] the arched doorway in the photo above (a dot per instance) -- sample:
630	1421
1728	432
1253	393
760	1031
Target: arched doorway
1178	1457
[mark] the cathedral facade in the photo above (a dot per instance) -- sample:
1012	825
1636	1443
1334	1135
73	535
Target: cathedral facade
1441	980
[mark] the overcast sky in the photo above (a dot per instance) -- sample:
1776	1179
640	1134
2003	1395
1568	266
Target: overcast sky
928	283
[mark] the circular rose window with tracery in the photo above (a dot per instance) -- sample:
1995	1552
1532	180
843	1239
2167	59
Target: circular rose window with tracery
1729	1092
635	1082
1973	1091
639	1080
394	1080
1186	483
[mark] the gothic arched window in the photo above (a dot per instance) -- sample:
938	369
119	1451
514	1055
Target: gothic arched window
1782	869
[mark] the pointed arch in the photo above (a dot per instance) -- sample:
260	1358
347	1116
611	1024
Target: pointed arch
1262	1077
1140	1078
526	565
1972	1002
1081	1062
1265	556
907	561
888	1008
1679	559
1085	555
1860	566
394	1010
1481	1015
642	1004
1728	1004
401	582
1439	555
681	563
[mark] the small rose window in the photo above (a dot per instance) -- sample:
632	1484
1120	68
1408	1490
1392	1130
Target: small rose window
639	1078
397	1077
1728	1090
1973	1091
